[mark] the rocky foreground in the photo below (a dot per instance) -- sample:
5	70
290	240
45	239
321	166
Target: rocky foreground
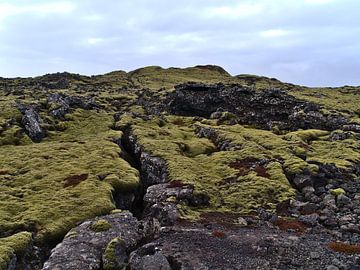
178	169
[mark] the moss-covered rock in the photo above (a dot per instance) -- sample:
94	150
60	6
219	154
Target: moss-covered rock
100	225
14	245
114	256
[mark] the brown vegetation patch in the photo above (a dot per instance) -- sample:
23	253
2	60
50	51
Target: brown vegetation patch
176	184
294	225
219	234
244	166
228	220
344	248
304	145
261	171
4	171
74	180
282	208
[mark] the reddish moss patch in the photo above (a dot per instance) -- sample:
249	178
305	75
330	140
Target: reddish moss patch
286	225
176	184
219	234
74	180
261	171
244	166
228	220
344	248
304	145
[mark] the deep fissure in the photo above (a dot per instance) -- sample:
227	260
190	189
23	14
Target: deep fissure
137	206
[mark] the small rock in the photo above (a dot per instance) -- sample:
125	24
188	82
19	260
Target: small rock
353	228
343	200
311	220
330	222
345	219
302	181
331	267
307	189
314	255
242	221
308	208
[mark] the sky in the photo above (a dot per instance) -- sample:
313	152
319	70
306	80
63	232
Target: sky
307	42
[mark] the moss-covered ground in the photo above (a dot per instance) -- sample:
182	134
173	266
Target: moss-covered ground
253	172
47	188
50	186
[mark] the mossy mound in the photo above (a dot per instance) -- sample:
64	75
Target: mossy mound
155	77
13	245
43	185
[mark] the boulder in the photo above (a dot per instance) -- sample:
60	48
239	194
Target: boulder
84	245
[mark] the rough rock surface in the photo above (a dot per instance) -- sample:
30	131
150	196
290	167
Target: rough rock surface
268	109
84	245
212	246
64	103
31	122
154	169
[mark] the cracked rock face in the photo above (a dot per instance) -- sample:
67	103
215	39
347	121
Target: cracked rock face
154	169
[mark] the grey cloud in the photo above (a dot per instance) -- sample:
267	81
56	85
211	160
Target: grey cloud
310	44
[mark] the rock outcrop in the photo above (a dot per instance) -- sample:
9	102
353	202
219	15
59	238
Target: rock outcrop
64	103
31	121
267	109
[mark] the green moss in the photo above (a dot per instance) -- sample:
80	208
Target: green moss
72	233
15	244
100	225
109	256
209	170
337	191
306	135
154	77
128	183
341	153
14	136
260	83
116	211
342	99
33	195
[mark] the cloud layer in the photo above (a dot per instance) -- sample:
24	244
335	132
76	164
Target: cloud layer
310	42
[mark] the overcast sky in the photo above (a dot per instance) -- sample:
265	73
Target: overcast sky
309	42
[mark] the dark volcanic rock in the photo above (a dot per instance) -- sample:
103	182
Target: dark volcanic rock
154	169
267	109
31	122
65	103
